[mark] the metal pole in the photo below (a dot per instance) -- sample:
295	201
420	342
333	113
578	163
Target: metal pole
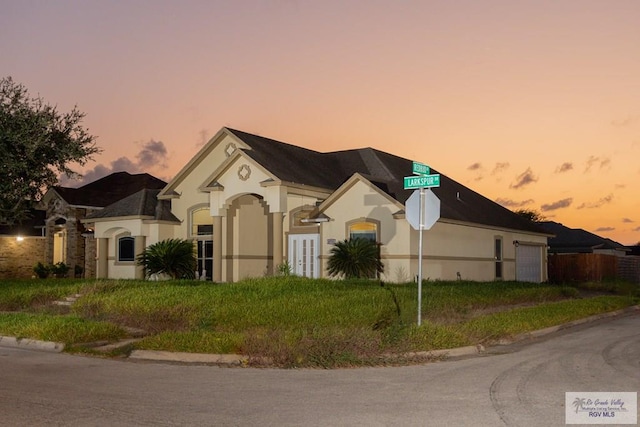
421	215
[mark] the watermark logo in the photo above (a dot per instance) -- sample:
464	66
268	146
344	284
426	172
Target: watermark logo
601	407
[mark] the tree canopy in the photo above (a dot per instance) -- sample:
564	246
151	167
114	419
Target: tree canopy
37	144
530	214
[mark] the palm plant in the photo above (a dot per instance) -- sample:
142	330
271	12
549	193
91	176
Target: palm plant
174	257
355	259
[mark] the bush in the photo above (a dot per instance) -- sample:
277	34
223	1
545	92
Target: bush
173	257
41	270
355	259
59	269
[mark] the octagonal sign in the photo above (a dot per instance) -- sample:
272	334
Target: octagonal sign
430	209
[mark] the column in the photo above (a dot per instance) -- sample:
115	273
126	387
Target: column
277	218
217	249
138	247
103	262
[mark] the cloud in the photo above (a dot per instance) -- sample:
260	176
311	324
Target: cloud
600	202
475	167
565	167
627	220
597	161
564	203
500	167
525	178
605	229
636	229
629	120
152	155
508	203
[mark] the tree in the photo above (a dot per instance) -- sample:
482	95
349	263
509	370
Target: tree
355	259
530	214
37	145
174	257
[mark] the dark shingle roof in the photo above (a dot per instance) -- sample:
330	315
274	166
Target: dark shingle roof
109	189
329	170
576	239
143	203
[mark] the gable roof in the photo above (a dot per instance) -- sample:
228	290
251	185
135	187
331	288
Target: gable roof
109	189
386	171
576	240
144	203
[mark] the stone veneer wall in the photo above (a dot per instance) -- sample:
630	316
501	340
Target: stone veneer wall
90	256
18	258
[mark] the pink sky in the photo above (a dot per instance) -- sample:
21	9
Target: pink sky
534	104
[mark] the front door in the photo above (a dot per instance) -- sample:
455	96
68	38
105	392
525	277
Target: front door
303	255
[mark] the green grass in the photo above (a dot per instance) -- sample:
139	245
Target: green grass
64	329
290	321
33	294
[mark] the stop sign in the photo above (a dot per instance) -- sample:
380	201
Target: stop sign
430	209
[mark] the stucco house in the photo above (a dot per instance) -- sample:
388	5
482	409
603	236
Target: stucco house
251	204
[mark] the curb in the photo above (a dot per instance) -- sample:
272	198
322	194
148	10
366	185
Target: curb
29	344
168	356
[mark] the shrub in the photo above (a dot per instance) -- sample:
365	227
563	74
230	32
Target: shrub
59	269
41	270
355	259
174	257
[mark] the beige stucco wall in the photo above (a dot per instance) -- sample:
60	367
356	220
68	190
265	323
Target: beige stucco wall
362	202
448	248
153	232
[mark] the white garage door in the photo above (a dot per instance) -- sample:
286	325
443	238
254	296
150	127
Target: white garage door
528	263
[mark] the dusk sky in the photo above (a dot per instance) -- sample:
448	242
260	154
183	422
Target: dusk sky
534	104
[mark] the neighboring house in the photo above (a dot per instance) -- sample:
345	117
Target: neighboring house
252	204
578	241
22	246
577	255
70	241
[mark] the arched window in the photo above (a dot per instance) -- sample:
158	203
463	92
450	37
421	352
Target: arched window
363	229
126	249
201	222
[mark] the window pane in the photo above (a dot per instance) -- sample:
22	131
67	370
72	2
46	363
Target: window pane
126	250
364	230
205	229
201	222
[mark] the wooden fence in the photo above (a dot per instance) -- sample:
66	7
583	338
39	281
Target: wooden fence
582	268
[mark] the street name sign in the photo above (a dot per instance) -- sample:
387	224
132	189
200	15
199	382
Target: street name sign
426	181
421	169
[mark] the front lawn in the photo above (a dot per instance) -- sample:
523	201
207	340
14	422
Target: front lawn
290	321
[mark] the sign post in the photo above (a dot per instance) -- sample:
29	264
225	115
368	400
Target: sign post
427	214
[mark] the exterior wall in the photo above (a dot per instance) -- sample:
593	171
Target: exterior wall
90	257
17	259
250	244
112	230
450	250
363	202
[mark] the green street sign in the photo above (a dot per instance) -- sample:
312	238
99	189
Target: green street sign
426	181
420	169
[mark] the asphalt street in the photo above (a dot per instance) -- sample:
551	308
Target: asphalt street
522	384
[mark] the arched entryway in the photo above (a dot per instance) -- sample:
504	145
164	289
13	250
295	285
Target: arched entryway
249	238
